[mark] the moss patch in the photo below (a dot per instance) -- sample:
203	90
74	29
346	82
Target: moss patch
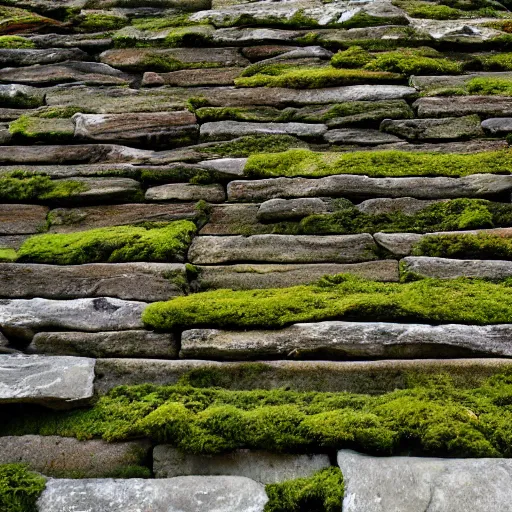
489	86
51	129
101	22
167	242
7	255
15	43
19	488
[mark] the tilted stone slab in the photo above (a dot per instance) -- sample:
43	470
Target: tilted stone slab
254	276
143	344
148	282
67	457
344	185
184	494
21	318
187	192
350	340
283	249
20	57
50	381
22	218
419	484
443	106
263	467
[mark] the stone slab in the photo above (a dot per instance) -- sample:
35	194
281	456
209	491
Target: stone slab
20	57
442	106
187	192
21	219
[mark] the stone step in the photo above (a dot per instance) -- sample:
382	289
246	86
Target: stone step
334	340
22	219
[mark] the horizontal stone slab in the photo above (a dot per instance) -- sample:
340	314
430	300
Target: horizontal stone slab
193	77
263	467
363	187
67	457
187	192
446	106
148	282
360	136
187	493
418	484
350	340
255	276
276	210
21	57
432	82
18	219
234	219
206	250
51	381
21	319
143	344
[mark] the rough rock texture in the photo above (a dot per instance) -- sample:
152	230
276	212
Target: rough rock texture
186	192
488	106
22	218
389	484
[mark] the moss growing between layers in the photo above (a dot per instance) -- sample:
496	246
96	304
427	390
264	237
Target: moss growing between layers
19	488
7	255
490	86
101	22
15	43
50	129
167	242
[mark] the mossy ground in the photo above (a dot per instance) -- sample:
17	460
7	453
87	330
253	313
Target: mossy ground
167	242
19	488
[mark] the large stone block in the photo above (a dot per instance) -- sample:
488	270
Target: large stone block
19	219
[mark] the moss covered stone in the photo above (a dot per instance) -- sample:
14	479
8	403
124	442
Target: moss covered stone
100	22
167	242
7	255
15	43
50	129
488	86
19	488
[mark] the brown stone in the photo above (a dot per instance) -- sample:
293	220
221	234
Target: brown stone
192	77
18	219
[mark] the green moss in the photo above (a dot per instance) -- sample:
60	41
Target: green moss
19	488
489	86
158	24
196	35
13	19
301	162
165	63
498	62
51	129
59	112
167	242
353	57
433	11
342	297
7	255
101	22
15	43
322	492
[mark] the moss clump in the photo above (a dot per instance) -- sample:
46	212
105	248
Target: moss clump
51	129
339	297
7	255
15	43
322	492
301	162
13	19
490	86
481	246
353	57
101	22
19	488
433	11
166	242
498	62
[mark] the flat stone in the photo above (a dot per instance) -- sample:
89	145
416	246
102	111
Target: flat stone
20	96
386	205
276	210
143	344
187	192
65	456
226	130
18	219
360	137
234	219
183	5
50	381
444	268
72	71
88	42
186	493
416	484
498	126
432	83
350	340
227	167
193	77
11	114
151	129
465	147
22	57
447	106
363	187
23	318
148	282
448	128
398	244
249	276
69	220
282	249
12	241
263	467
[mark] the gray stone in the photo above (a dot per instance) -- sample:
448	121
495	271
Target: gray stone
431	83
398	244
20	57
193	77
22	218
465	147
230	167
448	128
292	209
183	5
350	340
88	42
20	96
67	457
144	344
234	219
184	494
446	106
363	187
360	136
187	192
147	282
263	467
249	276
385	205
225	130
498	126
23	318
50	381
12	241
282	249
414	484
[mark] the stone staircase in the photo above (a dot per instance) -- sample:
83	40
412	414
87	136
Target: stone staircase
252	207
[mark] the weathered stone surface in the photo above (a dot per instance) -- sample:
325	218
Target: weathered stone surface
282	249
225	130
444	268
65	456
389	484
12	241
433	82
193	77
363	187
22	218
144	344
186	493
448	128
263	467
383	205
249	276
234	219
20	96
498	126
152	129
292	209
183	5
51	381
32	57
89	72
148	282
23	318
360	136
464	147
227	167
187	192
350	340
440	106
68	220
399	244
86	42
